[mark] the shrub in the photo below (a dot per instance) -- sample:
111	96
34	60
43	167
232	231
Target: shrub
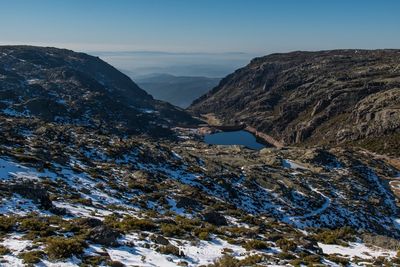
171	230
297	262
336	236
182	263
186	223
204	235
225	261
396	261
83	201
312	258
251	260
89	261
31	257
4	250
6	223
33	224
129	224
255	244
241	232
170	249
286	244
337	259
381	241
232	241
116	264
35	227
62	248
286	256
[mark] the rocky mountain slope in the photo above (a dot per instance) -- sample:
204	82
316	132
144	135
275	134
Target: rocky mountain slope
135	201
63	86
72	194
326	97
177	90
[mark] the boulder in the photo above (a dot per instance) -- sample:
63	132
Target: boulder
104	235
159	239
215	218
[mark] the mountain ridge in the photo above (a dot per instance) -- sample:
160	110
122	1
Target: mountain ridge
324	97
65	86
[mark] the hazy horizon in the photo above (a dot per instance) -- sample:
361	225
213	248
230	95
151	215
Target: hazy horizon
202	38
253	26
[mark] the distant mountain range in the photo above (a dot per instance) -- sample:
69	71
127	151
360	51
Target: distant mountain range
177	90
138	63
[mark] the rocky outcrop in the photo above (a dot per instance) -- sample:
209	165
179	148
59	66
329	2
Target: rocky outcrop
326	97
215	218
378	113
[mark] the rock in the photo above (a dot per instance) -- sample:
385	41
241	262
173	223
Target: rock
116	264
33	191
186	202
90	222
215	218
159	239
104	235
183	263
311	245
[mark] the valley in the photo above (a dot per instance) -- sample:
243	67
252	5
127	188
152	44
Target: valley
96	172
177	90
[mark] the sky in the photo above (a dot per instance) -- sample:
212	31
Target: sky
197	35
212	26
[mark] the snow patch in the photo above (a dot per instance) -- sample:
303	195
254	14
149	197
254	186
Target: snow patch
289	164
356	250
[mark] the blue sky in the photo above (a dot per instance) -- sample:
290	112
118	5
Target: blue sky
251	26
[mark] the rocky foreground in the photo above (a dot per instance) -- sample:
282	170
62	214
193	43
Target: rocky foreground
83	194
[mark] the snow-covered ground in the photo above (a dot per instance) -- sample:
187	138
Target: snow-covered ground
199	253
357	250
290	164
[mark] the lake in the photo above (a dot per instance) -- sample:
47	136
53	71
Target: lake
234	138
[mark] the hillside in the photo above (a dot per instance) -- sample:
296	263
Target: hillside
177	90
75	194
59	85
327	97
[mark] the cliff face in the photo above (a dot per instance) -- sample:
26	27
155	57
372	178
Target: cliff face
312	97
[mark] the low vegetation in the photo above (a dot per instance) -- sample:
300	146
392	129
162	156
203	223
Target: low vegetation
31	257
61	248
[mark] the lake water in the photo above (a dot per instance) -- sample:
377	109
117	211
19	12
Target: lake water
234	138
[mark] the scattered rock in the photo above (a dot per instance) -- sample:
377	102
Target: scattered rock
104	235
33	191
186	202
90	222
215	218
159	239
